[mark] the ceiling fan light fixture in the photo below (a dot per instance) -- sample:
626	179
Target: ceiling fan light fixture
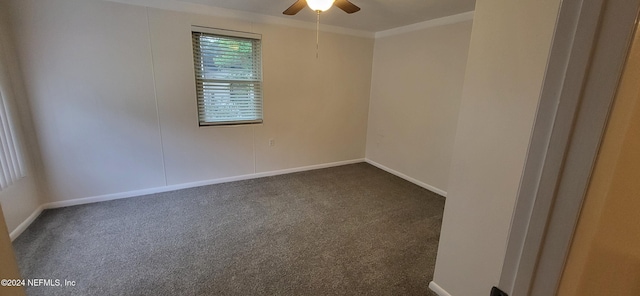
320	5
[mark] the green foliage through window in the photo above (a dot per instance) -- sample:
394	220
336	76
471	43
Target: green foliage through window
228	79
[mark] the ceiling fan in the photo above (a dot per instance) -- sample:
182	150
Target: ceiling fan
321	5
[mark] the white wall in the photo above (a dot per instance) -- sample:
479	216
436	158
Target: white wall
510	43
87	69
112	92
416	87
23	197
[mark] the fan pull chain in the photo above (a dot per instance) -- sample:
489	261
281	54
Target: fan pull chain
317	34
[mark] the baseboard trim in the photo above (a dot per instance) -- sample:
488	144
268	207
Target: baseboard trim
128	194
410	179
23	226
439	290
134	193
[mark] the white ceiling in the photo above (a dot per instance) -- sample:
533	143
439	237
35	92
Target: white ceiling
375	16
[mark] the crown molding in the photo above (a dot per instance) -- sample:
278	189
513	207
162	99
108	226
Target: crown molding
447	20
195	8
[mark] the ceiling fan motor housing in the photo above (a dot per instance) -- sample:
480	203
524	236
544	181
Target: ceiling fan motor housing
321	5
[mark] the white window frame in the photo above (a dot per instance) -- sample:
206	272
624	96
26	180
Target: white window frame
11	164
206	95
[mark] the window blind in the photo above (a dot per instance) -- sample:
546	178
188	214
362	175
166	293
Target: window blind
228	71
11	166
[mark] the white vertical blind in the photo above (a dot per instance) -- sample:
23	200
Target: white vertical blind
11	166
228	70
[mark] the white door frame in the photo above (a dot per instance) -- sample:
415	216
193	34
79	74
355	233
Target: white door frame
588	52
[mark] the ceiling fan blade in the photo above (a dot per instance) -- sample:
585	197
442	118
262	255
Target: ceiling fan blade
295	7
347	6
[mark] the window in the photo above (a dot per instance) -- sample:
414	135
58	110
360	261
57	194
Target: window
228	70
11	167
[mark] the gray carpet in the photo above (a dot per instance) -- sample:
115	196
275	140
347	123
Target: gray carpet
348	230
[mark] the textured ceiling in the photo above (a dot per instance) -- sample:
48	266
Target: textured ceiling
375	16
